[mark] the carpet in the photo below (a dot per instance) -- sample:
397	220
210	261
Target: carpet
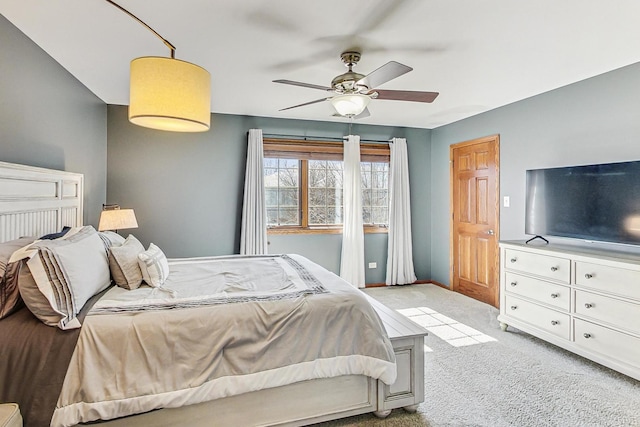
504	378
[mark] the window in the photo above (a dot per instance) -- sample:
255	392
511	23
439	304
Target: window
303	186
282	190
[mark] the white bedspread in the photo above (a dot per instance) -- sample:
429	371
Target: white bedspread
195	282
137	359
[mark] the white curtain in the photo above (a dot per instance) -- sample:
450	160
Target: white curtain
352	259
253	235
400	269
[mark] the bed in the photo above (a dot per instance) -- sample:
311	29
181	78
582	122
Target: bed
310	381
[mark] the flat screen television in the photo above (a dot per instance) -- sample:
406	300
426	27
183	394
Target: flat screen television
594	202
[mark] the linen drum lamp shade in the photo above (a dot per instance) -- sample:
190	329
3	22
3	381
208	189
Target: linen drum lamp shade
169	94
117	219
350	104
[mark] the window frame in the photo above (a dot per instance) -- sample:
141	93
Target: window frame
305	150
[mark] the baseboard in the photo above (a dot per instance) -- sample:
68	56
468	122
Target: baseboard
417	282
433	282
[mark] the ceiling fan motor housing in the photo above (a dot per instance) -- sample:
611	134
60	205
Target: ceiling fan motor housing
346	83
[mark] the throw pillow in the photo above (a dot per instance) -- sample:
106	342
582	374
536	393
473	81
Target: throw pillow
154	266
123	263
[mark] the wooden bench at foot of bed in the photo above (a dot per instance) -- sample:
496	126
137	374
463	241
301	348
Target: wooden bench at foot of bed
407	339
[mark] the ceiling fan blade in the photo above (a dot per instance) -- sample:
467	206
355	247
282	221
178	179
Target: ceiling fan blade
306	103
388	71
378	14
309	85
407	95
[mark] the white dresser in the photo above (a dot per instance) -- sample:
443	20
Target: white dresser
582	299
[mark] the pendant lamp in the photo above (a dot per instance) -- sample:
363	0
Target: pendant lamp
167	93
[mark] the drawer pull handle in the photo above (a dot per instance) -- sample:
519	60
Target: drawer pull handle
514	283
514	259
588	276
587	335
588	305
554	268
513	307
556	295
554	322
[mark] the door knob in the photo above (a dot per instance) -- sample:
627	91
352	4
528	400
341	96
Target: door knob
491	232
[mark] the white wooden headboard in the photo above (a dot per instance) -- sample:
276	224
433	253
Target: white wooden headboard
36	201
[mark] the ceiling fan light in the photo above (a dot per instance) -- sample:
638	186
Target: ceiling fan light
351	104
169	94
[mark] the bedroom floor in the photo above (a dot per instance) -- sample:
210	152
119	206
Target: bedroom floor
477	375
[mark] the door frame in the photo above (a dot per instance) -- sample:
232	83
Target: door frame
495	138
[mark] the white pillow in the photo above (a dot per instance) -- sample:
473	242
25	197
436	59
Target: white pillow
154	266
111	239
123	263
66	272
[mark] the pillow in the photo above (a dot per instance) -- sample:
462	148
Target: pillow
10	300
110	239
154	266
57	235
64	274
123	263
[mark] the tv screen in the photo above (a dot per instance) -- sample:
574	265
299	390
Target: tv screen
593	202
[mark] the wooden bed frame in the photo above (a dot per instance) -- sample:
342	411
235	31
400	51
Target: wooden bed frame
37	201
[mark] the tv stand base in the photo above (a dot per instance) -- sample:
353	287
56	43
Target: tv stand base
536	237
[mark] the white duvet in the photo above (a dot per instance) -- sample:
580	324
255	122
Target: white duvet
144	349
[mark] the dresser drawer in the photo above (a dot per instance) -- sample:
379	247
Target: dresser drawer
608	279
610	343
551	267
541	317
545	292
615	312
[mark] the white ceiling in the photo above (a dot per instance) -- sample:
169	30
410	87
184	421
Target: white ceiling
479	54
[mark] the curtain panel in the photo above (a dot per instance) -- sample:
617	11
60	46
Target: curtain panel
253	234
352	259
400	269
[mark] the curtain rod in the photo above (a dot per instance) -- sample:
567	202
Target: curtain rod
321	138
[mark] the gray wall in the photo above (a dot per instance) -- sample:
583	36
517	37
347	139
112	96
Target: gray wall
49	119
187	189
592	121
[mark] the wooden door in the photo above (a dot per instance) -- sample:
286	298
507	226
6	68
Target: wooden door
475	213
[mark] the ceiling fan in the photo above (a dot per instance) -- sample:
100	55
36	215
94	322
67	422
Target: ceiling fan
353	91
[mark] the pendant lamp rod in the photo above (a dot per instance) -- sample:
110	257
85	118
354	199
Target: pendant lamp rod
165	41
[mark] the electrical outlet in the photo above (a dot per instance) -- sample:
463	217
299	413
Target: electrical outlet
373	265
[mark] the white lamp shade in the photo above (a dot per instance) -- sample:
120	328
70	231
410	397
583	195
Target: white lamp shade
117	219
169	94
350	104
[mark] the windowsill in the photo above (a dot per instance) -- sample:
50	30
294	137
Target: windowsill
323	230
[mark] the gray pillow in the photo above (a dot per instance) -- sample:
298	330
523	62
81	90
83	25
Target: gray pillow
123	263
10	300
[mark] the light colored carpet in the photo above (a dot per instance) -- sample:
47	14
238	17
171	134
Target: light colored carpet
517	380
